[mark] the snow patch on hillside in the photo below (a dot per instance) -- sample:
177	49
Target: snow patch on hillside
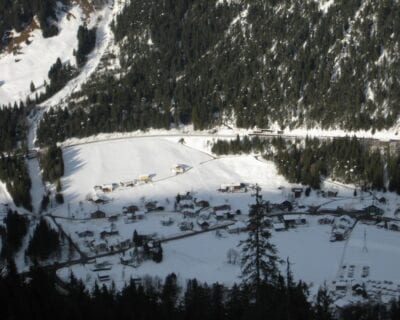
33	61
103	39
324	5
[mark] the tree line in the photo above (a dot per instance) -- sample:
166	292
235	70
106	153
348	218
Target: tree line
14	173
52	163
45	242
306	161
12	233
12	127
41	298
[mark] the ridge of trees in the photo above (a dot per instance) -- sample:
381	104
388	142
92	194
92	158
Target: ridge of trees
86	43
12	127
14	173
52	164
16	227
44	242
306	161
156	299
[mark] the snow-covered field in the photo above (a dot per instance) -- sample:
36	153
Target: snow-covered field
382	252
113	162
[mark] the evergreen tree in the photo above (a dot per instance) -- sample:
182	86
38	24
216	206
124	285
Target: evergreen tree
44	242
259	256
323	304
16	229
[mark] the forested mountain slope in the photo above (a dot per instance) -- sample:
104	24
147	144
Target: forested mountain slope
293	63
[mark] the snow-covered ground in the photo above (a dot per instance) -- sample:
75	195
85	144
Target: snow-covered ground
4	195
33	61
313	258
382	252
101	19
124	160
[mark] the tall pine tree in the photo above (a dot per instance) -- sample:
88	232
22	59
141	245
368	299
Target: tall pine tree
259	256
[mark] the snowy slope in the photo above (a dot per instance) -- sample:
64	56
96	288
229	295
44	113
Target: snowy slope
34	60
4	195
101	19
124	160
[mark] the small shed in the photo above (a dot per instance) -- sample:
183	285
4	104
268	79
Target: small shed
285	206
86	233
102	276
167	222
99	246
224	207
107	187
105	234
202	204
130	209
238	227
98	214
233	187
189	213
186	204
297	192
144	178
179	168
292	220
278	226
394	225
374	210
151	205
204	224
186	226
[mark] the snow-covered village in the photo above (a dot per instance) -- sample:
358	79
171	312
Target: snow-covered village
141	206
245	159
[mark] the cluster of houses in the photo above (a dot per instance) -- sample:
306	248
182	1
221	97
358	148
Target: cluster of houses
205	215
141	179
110	187
234	187
108	240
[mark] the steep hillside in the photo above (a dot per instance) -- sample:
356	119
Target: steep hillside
29	51
293	63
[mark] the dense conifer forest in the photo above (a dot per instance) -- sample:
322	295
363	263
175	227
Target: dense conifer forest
14	230
44	242
12	127
284	62
42	298
15	174
305	161
52	163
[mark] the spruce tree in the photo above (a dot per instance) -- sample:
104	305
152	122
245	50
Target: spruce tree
259	256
